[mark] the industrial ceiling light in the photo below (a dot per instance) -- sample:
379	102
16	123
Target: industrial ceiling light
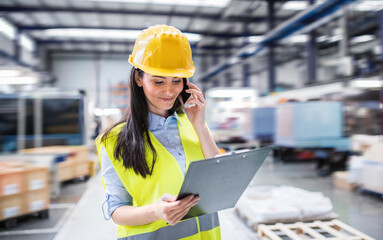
368	5
255	39
7	29
363	38
92	33
367	83
322	38
18	80
9	73
104	34
197	3
106	111
301	38
295	5
27	43
335	38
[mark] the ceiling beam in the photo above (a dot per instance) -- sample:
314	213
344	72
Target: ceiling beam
9	10
131	42
204	33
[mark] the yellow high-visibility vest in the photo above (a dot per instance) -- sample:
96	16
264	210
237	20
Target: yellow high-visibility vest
167	177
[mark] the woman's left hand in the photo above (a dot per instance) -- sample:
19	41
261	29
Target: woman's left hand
196	112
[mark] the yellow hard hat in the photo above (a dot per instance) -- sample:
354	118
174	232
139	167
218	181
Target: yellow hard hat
163	50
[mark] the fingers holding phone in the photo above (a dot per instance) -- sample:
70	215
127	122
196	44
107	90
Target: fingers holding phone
195	105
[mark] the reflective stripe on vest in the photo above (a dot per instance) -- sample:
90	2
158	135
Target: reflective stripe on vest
181	230
208	222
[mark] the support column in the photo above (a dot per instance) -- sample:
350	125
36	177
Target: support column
246	75
228	75
381	33
381	57
216	82
16	47
204	67
215	63
346	62
344	46
311	48
98	80
271	57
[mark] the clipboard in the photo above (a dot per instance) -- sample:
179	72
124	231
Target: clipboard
220	181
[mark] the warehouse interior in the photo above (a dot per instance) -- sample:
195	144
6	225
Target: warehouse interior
305	77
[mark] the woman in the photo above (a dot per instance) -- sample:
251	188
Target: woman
144	156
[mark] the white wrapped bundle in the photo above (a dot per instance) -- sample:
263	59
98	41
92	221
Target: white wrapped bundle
268	204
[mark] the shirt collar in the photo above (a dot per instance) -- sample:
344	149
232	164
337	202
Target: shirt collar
155	120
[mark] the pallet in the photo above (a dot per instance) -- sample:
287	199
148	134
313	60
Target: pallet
335	230
14	221
377	193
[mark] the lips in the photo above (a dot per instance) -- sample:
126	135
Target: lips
167	99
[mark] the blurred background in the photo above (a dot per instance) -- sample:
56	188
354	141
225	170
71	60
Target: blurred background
304	76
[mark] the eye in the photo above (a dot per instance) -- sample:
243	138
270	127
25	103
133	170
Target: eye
176	81
158	82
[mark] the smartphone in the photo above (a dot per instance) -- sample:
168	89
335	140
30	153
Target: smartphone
185	96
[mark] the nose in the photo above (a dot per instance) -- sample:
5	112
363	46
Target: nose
168	89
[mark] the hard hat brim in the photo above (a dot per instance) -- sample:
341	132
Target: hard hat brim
182	73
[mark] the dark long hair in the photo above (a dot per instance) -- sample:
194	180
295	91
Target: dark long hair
130	147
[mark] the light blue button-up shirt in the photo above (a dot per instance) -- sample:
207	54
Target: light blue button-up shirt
166	132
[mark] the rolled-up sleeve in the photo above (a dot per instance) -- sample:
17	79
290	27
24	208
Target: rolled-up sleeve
116	193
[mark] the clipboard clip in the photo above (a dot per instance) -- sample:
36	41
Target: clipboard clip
231	153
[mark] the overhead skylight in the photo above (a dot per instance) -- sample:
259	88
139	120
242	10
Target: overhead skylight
197	3
104	34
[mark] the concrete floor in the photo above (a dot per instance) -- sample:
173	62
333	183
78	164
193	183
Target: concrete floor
77	213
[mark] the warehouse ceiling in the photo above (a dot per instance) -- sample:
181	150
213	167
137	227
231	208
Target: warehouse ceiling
69	25
213	26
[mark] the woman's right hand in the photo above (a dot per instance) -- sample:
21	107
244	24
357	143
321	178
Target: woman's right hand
172	211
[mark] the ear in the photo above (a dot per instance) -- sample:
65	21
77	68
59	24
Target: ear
137	78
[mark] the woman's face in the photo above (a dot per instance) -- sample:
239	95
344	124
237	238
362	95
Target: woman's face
160	92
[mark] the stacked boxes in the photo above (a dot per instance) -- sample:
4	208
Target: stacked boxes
341	180
77	163
372	171
24	189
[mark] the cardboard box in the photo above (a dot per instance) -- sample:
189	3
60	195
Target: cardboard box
36	200
75	165
11	206
79	153
66	170
11	181
36	177
75	153
81	169
372	176
341	180
8	164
